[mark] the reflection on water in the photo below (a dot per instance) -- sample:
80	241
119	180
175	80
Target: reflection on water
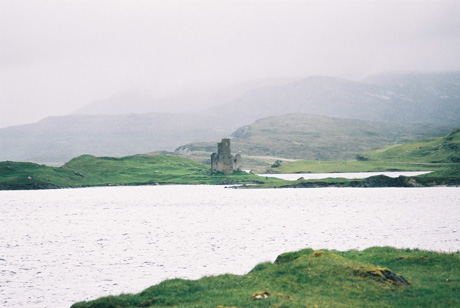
62	246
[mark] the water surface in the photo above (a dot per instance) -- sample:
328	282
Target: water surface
62	246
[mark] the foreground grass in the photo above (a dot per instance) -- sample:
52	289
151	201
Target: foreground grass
310	278
87	170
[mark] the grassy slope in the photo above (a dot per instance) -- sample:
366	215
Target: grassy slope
434	150
427	154
87	170
310	278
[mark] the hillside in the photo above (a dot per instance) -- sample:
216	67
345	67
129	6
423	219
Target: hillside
89	170
55	140
434	150
375	277
305	136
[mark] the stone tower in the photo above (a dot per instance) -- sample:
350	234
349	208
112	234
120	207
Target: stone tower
223	161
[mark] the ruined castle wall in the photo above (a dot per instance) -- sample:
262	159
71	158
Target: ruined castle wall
223	161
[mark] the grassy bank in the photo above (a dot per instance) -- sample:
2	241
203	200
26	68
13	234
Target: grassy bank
87	170
313	166
375	277
443	177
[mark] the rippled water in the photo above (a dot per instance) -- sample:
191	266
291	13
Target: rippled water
62	246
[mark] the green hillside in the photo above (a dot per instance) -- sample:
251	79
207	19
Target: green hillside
87	170
313	137
434	150
375	277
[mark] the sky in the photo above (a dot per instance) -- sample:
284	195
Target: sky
58	56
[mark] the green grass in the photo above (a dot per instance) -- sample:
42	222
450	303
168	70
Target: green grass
434	150
87	170
310	278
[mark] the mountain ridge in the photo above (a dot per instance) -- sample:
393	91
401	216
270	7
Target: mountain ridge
342	98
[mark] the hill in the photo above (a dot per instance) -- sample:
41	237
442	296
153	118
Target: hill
55	140
375	277
87	170
402	98
434	150
306	136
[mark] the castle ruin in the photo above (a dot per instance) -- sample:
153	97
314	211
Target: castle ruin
223	161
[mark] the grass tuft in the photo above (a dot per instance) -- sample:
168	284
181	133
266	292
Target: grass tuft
308	278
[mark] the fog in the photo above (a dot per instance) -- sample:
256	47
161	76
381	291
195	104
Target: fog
58	56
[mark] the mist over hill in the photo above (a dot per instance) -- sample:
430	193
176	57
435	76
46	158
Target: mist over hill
194	102
421	98
124	125
400	98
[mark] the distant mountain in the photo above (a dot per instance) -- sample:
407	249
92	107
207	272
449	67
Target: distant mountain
306	136
401	98
55	140
433	95
420	98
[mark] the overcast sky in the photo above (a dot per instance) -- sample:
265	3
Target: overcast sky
57	56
